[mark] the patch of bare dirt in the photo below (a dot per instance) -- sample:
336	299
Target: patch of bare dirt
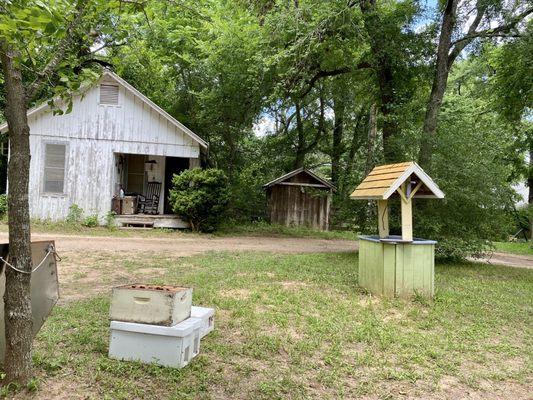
187	246
510	260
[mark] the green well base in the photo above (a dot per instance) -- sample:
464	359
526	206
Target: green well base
390	267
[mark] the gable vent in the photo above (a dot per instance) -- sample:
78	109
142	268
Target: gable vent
108	94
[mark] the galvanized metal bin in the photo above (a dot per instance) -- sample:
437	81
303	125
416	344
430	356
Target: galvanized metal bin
44	286
151	304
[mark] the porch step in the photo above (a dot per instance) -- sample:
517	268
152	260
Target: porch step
151	221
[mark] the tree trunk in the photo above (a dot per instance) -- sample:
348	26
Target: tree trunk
336	150
440	80
530	185
300	147
372	136
385	76
354	146
17	306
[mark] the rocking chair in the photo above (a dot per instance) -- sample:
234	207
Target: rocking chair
149	203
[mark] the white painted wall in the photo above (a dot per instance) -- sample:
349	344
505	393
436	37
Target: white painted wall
93	133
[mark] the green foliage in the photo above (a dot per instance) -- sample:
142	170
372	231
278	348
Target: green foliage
471	166
75	215
518	247
513	63
110	220
3	205
201	196
90	221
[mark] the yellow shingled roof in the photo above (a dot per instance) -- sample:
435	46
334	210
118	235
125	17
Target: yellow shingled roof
384	180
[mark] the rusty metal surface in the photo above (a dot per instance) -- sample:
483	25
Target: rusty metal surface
44	286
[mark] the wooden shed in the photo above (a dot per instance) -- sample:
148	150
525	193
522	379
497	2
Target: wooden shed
299	198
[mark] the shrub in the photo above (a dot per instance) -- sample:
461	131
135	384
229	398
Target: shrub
3	205
91	221
201	196
110	218
75	214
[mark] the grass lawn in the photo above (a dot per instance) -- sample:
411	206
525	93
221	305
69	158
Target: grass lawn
514	247
298	326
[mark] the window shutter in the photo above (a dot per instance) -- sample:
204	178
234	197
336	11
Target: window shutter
54	168
108	94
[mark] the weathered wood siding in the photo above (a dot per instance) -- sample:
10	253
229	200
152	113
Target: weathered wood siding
397	269
299	206
93	133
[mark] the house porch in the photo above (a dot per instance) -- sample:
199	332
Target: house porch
137	177
172	221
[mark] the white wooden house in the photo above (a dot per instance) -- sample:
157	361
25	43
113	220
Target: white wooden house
114	137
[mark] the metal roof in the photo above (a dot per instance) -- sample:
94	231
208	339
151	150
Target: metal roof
384	180
289	175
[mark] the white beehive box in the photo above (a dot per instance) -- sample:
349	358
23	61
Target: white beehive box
151	304
207	315
169	346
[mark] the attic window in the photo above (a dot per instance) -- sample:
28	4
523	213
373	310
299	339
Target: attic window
108	94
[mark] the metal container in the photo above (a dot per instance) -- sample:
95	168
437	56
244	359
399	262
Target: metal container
169	346
151	304
44	285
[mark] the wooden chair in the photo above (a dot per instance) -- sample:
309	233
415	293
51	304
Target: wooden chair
149	203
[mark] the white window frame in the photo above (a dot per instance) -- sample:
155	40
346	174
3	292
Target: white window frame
119	94
43	170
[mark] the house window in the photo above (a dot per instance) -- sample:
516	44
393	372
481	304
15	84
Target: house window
108	94
54	168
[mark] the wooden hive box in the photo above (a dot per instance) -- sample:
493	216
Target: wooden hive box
151	304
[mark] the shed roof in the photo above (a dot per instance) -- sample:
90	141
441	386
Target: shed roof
384	180
320	181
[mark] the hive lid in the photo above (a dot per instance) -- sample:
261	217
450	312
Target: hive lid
181	329
384	180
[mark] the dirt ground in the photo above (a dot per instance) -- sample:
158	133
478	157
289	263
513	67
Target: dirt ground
94	264
185	246
188	246
510	260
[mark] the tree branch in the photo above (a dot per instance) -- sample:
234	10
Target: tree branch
56	59
500	31
323	74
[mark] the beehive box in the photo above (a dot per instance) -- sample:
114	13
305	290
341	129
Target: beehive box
151	304
169	346
207	315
